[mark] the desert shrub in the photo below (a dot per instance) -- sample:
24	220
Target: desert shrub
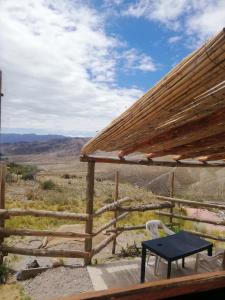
4	270
28	176
66	176
48	185
27	172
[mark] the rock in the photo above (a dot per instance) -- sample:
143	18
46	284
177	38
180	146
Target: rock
29	273
33	264
56	262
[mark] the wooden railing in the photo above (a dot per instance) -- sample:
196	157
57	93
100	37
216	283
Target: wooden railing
200	286
119	208
197	204
88	217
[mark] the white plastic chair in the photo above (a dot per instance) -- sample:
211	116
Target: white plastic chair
210	263
153	227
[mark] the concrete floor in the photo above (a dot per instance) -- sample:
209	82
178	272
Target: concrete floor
126	272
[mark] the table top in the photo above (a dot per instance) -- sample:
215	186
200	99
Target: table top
178	245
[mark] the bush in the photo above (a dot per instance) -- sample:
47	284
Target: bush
66	176
48	185
28	176
28	172
4	270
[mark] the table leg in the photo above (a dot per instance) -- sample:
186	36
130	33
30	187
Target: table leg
168	269
210	251
183	265
143	259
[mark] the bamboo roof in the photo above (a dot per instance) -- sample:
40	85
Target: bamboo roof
183	115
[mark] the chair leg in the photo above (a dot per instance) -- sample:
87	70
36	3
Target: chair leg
157	262
149	254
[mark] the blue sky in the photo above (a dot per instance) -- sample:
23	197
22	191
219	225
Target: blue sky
71	67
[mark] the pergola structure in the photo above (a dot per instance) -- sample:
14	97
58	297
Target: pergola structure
182	116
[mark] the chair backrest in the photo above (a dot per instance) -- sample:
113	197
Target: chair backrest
153	226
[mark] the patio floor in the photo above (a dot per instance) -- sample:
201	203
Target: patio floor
123	273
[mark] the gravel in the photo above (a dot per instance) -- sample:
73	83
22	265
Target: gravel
58	282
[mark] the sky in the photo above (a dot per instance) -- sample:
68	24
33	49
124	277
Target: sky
71	66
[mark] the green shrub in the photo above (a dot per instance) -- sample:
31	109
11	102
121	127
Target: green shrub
48	185
28	176
27	172
66	176
4	270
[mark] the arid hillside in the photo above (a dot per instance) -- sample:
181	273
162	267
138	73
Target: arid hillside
60	156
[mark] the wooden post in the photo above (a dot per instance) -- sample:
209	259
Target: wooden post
171	195
116	211
2	200
89	209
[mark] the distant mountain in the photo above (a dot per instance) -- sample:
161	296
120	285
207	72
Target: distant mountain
15	138
60	147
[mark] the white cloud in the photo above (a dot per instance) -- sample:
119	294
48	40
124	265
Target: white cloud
59	67
198	19
137	61
174	39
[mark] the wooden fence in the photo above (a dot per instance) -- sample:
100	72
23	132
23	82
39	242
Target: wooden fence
119	208
120	212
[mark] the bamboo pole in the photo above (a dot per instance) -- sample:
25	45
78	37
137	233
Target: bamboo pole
191	203
26	232
221	223
89	209
44	252
116	211
15	212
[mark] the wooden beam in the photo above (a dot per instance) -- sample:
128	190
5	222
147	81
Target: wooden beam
214	151
216	156
110	206
161	289
116	213
2	191
190	202
44	252
89	208
110	223
146	162
176	216
15	212
27	232
104	243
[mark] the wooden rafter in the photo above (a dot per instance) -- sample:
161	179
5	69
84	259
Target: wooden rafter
146	162
202	144
187	133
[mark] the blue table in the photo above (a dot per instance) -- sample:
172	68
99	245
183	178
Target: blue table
174	247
